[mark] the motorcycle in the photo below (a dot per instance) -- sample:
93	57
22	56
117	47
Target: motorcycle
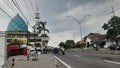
63	52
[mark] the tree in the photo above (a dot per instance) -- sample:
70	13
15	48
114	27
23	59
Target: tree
42	27
78	45
69	44
16	42
38	45
39	27
62	44
112	27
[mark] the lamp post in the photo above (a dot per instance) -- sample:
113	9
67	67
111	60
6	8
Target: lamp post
79	22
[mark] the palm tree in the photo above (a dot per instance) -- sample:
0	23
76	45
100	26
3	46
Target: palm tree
42	27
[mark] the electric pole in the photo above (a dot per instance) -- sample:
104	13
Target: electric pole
117	30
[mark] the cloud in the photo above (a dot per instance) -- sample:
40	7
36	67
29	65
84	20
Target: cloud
100	13
61	27
62	36
68	5
3	24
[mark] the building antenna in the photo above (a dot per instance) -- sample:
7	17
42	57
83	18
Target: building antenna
113	12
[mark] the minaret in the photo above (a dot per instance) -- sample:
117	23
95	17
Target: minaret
37	16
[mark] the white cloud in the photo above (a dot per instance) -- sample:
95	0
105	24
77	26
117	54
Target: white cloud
99	14
63	36
68	5
67	28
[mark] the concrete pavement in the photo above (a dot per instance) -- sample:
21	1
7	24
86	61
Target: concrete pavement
44	61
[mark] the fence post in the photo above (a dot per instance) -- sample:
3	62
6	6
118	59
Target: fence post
13	63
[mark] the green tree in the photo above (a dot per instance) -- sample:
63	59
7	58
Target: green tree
78	45
38	45
16	42
112	27
69	44
62	44
44	35
42	27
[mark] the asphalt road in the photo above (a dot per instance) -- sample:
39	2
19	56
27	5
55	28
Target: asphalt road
86	60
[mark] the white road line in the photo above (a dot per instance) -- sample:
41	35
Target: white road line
76	55
62	62
112	62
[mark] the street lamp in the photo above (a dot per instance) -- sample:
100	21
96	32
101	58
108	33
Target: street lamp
79	22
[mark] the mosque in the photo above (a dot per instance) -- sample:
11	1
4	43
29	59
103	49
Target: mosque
17	29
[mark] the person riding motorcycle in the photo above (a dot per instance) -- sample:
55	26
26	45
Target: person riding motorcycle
62	50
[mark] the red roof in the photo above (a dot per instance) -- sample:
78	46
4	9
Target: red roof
96	37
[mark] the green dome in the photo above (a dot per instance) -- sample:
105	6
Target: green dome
17	23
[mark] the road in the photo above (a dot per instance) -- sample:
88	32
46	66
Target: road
86	60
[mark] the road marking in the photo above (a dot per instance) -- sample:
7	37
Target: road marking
62	62
112	62
76	55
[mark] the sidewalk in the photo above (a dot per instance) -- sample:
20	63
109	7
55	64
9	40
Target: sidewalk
44	61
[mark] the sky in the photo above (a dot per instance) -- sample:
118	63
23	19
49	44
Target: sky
56	13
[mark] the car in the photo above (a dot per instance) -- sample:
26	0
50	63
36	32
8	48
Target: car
56	50
114	47
39	50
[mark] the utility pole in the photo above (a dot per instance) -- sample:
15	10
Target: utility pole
27	34
79	22
37	17
113	12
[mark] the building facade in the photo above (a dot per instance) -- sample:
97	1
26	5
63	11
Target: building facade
17	29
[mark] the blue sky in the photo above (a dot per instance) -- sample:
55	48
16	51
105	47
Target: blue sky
61	27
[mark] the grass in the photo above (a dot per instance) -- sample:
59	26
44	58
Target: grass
34	59
20	60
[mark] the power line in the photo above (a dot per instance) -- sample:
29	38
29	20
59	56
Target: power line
5	9
31	6
10	6
8	15
15	20
29	10
21	3
12	9
20	10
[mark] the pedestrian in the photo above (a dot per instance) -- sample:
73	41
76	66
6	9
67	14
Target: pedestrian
36	55
28	54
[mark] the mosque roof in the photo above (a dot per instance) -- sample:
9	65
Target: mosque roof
17	23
